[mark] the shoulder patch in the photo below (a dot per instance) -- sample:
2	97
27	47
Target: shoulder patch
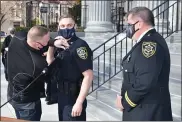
82	52
149	49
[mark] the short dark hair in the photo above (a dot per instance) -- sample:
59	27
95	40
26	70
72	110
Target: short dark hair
144	13
66	15
37	32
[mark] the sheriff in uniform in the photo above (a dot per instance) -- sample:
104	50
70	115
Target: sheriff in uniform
145	90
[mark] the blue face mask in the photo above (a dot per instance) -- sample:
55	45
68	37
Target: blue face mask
66	33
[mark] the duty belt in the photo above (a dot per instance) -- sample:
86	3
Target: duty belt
68	88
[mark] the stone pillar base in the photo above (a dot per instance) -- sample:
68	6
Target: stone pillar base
99	35
99	27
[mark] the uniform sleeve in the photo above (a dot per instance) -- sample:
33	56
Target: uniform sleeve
51	42
83	56
147	69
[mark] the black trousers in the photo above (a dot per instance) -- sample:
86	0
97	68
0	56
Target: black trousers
65	105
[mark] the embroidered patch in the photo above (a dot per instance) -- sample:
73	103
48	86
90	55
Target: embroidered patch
148	49
82	52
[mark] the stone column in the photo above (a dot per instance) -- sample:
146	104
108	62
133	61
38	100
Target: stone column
84	12
180	16
99	17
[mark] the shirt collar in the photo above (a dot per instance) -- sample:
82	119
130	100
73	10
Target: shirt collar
142	35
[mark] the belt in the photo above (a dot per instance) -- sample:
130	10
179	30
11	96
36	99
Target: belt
68	88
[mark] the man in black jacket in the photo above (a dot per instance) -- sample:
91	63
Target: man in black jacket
4	49
25	63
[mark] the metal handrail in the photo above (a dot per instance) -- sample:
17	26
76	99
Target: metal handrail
110	48
116	43
106	41
160	5
166	9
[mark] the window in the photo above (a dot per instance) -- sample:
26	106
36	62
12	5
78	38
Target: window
16	24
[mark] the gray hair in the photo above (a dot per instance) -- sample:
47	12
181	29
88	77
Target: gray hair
144	13
11	30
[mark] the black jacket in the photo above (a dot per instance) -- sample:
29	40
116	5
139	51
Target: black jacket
24	65
145	89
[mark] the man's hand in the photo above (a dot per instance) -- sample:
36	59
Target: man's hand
6	48
50	60
50	55
77	109
44	54
118	103
61	42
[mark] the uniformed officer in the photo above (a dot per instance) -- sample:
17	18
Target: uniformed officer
145	89
4	49
75	72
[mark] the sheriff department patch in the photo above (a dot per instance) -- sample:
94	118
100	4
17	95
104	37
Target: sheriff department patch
148	49
82	52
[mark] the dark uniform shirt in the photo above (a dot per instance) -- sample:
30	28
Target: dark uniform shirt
72	62
76	60
146	80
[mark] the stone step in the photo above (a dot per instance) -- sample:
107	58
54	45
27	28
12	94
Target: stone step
101	110
108	96
173	39
175	71
176	36
175	48
110	57
111	51
175	80
109	68
175	58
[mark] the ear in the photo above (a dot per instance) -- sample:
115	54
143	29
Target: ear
140	24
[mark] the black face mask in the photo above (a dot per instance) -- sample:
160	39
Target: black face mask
130	30
66	33
43	49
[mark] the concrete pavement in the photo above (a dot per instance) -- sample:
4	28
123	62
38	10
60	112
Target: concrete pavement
49	112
